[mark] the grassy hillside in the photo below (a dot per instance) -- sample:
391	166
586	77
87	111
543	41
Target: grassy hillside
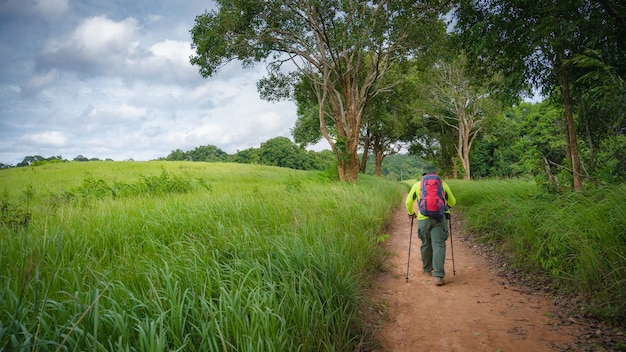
155	256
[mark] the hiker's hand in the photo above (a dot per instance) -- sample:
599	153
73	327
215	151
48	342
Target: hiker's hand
448	216
412	216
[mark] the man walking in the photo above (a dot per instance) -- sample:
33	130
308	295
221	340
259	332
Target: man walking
434	199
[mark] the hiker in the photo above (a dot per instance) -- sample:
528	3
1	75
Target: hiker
433	225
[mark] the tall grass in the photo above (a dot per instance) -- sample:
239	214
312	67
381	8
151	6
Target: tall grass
578	239
243	258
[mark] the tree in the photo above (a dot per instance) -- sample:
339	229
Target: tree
246	156
493	154
307	127
534	43
599	97
177	155
540	148
207	153
388	114
384	130
280	151
343	47
465	106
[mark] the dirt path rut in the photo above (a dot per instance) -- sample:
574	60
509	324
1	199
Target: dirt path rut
474	311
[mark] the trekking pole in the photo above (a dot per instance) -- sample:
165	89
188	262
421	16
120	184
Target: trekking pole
451	245
409	260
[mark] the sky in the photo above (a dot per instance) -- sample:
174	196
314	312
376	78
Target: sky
111	79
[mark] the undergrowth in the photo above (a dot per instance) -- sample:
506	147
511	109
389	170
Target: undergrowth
575	238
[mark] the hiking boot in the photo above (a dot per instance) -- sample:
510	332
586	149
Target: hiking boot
439	281
428	273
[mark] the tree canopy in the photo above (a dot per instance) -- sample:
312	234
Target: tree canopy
343	47
542	45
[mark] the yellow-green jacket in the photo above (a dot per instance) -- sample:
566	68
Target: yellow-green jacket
414	195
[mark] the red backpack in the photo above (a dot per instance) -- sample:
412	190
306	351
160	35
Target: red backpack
432	202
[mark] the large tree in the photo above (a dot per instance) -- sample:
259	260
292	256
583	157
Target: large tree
460	103
343	47
535	44
386	119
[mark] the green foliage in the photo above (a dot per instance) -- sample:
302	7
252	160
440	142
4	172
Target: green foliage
159	185
13	216
293	184
577	239
573	51
201	153
38	160
612	160
247	156
398	167
528	142
495	154
280	151
274	260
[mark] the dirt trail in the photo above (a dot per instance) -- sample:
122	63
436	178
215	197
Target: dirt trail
474	311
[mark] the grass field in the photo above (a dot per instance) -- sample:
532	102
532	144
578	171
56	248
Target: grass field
155	256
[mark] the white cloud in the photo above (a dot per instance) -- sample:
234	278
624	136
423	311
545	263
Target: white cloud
271	121
168	60
45	139
171	51
100	45
99	35
97	43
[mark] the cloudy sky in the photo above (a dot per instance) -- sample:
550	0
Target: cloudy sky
112	79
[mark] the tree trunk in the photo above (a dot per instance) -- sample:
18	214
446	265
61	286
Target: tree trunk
463	147
572	144
455	169
366	149
465	164
352	165
379	156
349	168
553	179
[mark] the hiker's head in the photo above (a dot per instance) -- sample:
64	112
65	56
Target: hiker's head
430	169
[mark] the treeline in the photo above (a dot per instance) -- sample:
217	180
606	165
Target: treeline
278	151
37	160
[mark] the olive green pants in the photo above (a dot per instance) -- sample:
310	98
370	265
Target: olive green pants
433	235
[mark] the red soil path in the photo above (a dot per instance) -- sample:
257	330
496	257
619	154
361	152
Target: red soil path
475	311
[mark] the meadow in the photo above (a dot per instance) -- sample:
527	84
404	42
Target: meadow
156	256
